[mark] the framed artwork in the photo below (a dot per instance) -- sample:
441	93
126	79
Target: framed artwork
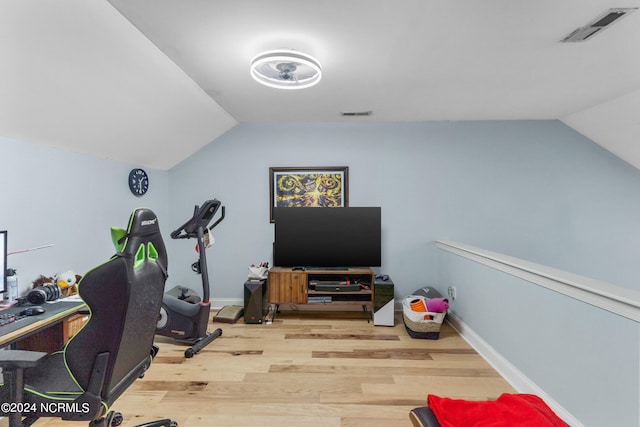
308	187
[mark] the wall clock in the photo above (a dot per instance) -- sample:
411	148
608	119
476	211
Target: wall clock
138	182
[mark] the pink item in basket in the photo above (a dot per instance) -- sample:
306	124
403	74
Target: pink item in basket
437	305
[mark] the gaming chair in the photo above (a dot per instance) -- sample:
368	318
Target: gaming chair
113	349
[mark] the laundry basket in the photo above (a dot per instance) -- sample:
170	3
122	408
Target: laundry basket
422	324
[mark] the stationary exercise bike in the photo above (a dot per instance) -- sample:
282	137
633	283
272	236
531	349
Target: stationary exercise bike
179	318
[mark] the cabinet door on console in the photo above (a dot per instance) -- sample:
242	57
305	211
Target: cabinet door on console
286	287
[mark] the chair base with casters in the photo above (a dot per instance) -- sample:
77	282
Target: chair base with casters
115	419
14	363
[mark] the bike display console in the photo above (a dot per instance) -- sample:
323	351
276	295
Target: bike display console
322	287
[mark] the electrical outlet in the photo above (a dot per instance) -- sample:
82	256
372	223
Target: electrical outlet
452	292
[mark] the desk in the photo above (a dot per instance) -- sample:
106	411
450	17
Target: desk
45	332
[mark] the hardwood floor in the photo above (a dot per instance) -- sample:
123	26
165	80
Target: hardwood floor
306	369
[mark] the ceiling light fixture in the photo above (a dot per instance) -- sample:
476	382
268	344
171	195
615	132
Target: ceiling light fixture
286	69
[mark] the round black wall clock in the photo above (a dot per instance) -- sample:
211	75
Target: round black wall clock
138	182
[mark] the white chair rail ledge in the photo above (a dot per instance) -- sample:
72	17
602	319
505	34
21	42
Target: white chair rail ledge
616	299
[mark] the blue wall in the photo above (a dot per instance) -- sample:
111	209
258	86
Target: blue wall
531	189
585	358
68	199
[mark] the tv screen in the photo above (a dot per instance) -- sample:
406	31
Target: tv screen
3	261
327	237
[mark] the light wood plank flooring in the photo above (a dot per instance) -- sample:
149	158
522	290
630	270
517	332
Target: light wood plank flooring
306	369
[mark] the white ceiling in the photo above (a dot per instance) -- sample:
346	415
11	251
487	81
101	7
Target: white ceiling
152	81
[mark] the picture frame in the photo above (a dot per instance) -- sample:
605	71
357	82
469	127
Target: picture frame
308	187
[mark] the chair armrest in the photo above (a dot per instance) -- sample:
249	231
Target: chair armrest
13	364
11	359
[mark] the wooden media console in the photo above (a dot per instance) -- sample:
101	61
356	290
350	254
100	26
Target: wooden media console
292	286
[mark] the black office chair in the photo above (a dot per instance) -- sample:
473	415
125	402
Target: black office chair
112	350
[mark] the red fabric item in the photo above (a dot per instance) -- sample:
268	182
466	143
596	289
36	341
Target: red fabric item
521	410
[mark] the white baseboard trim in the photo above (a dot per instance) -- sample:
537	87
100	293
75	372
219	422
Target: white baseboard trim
218	303
508	371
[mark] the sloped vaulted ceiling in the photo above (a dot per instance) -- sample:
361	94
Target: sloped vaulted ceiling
152	81
77	75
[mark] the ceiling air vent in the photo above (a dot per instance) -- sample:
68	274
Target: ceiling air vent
597	25
356	113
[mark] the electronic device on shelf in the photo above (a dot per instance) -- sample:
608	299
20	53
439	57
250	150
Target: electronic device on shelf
334	286
327	237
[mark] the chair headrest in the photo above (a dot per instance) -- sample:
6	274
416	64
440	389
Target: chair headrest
143	228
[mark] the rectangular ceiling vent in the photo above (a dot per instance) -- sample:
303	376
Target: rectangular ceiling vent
597	25
356	113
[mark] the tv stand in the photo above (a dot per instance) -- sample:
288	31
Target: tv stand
288	286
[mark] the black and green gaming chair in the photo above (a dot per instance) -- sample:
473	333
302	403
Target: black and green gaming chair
112	350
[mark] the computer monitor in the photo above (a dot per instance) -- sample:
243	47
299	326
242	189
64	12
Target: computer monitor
3	261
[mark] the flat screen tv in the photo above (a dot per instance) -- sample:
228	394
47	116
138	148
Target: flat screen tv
327	237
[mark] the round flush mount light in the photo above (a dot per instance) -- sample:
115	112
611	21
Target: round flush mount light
286	69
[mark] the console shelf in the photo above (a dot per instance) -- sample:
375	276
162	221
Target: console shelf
288	286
